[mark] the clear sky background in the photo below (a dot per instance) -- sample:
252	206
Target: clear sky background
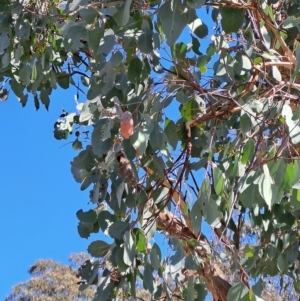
39	197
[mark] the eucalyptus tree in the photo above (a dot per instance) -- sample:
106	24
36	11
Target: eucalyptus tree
190	117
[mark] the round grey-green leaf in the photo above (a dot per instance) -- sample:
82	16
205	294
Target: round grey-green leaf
134	70
232	19
145	41
98	248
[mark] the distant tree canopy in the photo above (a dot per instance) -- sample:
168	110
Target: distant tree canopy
190	117
52	281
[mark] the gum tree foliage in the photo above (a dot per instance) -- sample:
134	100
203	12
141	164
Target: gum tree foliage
213	89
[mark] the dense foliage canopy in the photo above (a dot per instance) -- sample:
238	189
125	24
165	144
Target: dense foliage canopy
190	117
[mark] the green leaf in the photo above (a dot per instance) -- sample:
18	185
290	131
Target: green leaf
157	137
118	229
286	240
107	44
242	65
76	32
205	191
179	50
87	217
199	28
37	104
190	289
195	4
160	195
73	5
297	67
173	18
196	46
248	151
219	182
122	15
212	213
22	28
249	250
282	263
105	220
232	19
44	97
99	143
104	289
85	229
201	291
290	22
288	177
129	248
268	190
4	42
88	14
192	262
25	75
251	196
245	123
98	248
295	199
148	278
294	128
292	255
145	42
129	150
237	292
196	215
276	73
139	142
297	286
202	62
149	225
200	164
88	271
141	241
63	79
135	70
155	257
94	37
296	114
171	132
119	192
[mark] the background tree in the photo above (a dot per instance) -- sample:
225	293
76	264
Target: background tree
175	89
53	281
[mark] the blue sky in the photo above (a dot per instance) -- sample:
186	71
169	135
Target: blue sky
38	195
